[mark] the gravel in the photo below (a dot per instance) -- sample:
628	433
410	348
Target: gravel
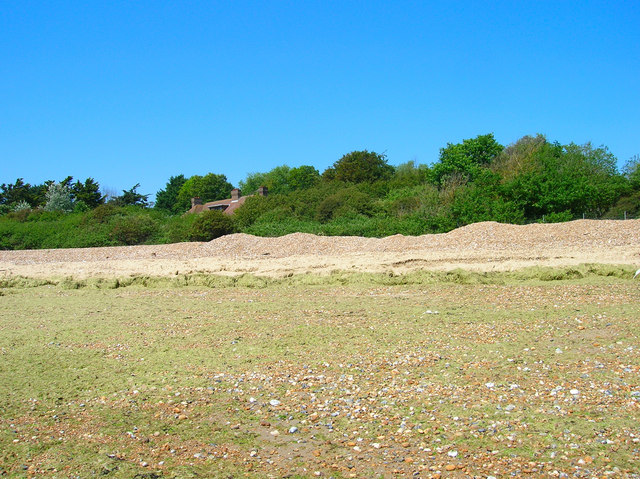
617	240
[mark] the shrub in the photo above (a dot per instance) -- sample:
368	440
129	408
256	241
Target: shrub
22	206
209	225
132	230
178	228
102	213
345	203
251	210
629	204
558	217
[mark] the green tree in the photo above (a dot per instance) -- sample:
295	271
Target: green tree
88	192
632	172
167	199
281	179
252	182
552	178
12	194
210	187
303	177
131	197
465	159
360	167
409	174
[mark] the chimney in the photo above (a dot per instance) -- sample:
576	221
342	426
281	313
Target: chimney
235	194
196	201
263	191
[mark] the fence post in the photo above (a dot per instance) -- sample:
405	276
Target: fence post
625	215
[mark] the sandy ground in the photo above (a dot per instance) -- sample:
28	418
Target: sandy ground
487	246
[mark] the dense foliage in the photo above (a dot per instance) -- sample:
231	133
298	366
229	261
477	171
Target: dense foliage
360	194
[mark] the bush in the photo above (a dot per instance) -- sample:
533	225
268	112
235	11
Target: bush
629	204
251	210
19	215
177	228
103	213
558	217
210	225
132	230
345	203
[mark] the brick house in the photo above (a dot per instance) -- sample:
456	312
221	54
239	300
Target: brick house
227	206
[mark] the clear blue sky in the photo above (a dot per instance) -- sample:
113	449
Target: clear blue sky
138	91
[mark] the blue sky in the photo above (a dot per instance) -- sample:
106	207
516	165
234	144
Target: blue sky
139	91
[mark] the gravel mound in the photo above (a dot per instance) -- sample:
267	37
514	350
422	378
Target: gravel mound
488	243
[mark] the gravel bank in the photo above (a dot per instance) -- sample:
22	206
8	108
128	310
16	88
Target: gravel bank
481	246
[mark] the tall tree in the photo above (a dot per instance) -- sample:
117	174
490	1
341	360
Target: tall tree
88	192
466	159
552	178
13	193
303	177
210	187
131	197
360	167
167	199
632	171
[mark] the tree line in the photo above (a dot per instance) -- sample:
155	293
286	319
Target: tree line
533	179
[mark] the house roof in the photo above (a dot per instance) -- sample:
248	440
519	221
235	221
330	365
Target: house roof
228	206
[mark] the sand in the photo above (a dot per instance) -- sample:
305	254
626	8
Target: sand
486	246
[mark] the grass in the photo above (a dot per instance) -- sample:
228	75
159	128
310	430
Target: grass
150	377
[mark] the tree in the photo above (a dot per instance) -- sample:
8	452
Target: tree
210	187
88	192
167	199
552	178
303	177
632	171
131	198
12	194
253	182
282	179
409	174
465	159
59	198
360	167
277	180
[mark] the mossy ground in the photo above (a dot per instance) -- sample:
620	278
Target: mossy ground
527	373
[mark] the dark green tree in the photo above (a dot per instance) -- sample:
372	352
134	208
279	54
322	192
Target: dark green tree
131	197
360	167
88	192
12	194
167	199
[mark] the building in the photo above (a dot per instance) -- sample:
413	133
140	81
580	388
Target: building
227	206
